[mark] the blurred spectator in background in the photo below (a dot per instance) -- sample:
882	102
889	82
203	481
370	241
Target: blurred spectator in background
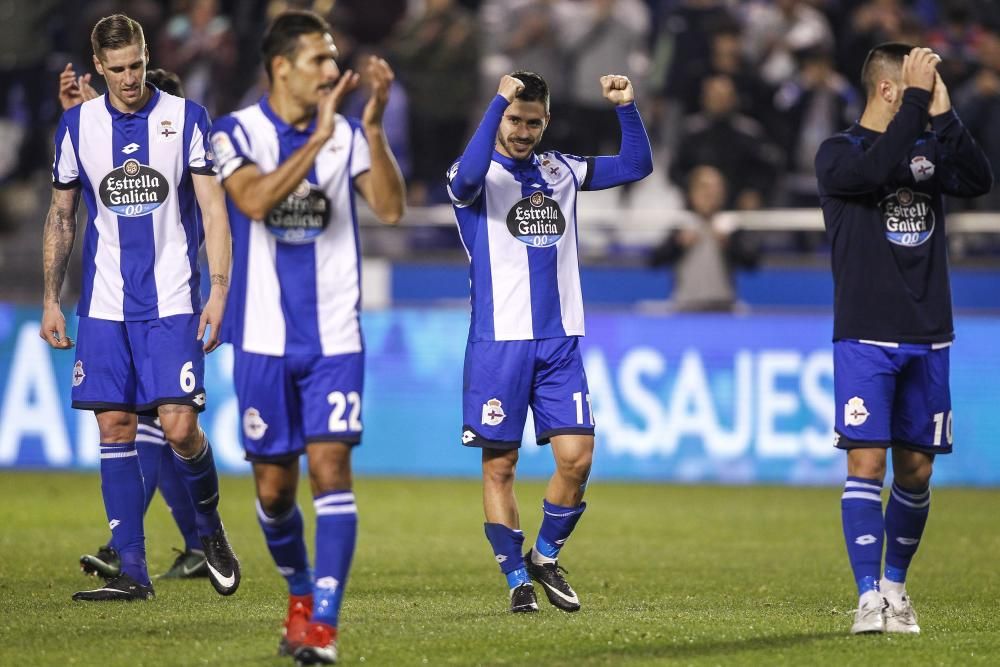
599	36
705	252
396	118
26	108
733	143
979	102
524	35
370	21
871	23
681	45
774	31
200	46
437	57
955	38
726	57
814	105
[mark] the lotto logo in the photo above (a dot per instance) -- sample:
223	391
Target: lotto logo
865	540
500	558
327	583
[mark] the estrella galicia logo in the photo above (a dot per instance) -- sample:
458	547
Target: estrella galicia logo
536	220
134	189
301	217
908	217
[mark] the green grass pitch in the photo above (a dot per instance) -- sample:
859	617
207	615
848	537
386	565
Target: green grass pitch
673	575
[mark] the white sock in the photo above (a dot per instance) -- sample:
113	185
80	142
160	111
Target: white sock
539	559
892	587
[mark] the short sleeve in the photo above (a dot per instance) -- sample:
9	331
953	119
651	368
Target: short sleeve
459	203
230	146
65	168
199	150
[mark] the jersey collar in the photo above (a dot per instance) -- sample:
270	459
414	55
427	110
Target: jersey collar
281	125
144	112
510	164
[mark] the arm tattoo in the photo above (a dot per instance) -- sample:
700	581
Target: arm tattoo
220	280
57	244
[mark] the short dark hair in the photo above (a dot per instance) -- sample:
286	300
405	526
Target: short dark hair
116	32
166	81
880	58
282	36
535	88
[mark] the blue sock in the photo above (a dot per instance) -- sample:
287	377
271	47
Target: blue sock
905	518
202	482
507	544
557	524
122	488
861	514
283	535
178	500
149	463
336	533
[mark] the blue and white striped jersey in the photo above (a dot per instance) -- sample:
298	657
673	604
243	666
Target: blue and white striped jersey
520	233
140	248
296	281
517	219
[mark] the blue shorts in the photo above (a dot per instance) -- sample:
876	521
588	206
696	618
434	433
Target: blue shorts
892	396
287	402
138	366
504	378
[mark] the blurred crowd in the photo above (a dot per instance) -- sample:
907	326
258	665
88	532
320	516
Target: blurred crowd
747	87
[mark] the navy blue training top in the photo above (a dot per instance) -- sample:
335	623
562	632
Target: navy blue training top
883	207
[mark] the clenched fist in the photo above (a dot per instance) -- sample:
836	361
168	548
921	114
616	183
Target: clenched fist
510	87
617	89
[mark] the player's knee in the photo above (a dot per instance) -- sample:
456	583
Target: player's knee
576	467
913	472
276	501
499	472
116	426
329	479
866	463
184	436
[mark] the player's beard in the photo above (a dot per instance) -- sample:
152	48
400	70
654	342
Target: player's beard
508	145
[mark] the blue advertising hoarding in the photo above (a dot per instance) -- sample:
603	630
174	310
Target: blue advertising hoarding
691	398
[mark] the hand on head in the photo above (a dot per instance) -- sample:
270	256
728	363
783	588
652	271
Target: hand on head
940	100
510	87
920	68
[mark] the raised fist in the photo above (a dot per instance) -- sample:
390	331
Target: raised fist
510	87
617	89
